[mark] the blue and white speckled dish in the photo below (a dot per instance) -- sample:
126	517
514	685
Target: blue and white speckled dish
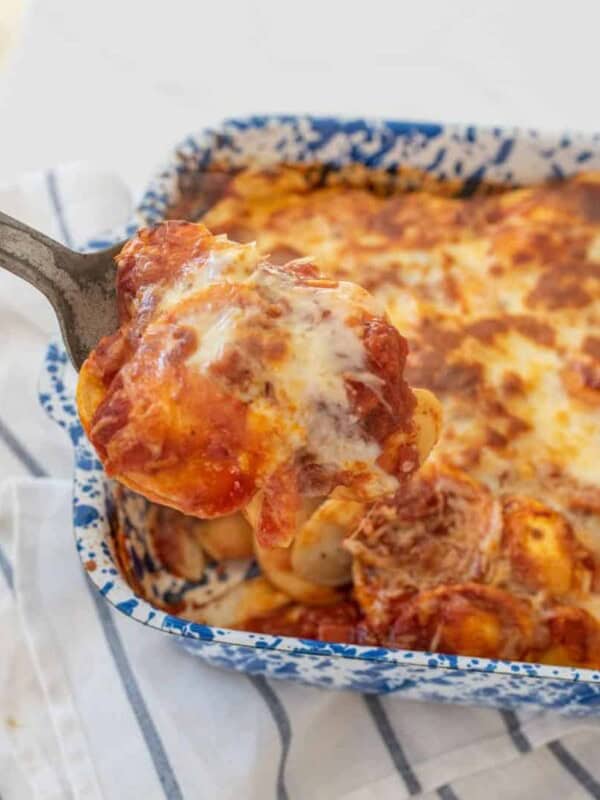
468	153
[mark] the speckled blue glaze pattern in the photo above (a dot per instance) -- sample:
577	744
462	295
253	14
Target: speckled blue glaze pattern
465	152
134	516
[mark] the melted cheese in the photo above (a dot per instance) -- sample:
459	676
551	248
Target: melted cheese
450	263
232	379
307	387
226	262
500	296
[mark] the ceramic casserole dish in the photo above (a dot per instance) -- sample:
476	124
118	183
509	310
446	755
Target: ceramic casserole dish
473	155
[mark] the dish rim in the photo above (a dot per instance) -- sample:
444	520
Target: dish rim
160	194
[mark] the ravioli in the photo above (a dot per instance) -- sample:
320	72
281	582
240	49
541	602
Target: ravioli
234	382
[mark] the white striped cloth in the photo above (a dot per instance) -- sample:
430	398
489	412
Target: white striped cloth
93	705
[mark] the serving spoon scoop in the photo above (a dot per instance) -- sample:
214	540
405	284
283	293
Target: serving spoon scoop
80	286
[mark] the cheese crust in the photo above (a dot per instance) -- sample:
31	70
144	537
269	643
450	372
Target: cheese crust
494	549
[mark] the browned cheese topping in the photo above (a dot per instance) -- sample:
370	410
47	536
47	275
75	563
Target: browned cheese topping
493	549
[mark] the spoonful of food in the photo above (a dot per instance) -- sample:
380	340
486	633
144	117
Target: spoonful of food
212	380
80	286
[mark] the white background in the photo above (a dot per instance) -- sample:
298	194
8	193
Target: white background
117	82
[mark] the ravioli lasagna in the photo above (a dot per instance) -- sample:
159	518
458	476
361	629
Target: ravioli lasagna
493	549
234	383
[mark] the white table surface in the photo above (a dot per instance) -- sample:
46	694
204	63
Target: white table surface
116	82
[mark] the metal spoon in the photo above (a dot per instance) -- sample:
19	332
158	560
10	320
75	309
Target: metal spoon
80	286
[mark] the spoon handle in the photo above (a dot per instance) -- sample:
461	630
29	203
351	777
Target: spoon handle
36	258
79	287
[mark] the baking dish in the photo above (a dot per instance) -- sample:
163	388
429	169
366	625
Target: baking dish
473	155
